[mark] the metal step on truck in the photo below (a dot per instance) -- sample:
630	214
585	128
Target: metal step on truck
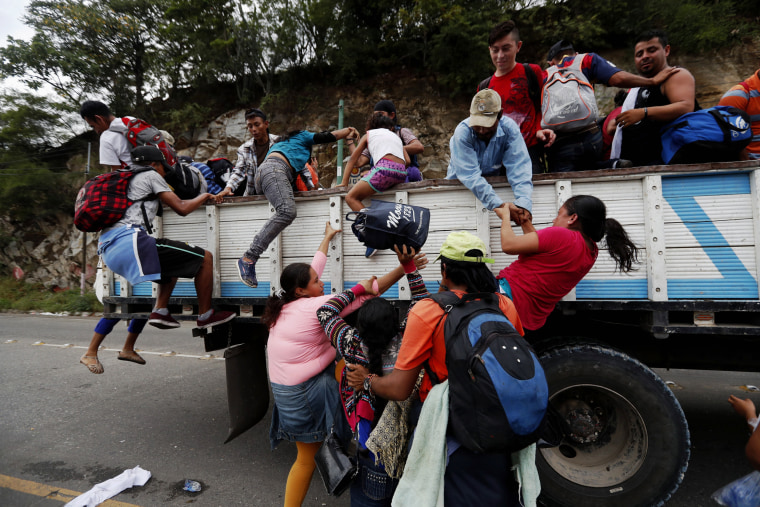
692	303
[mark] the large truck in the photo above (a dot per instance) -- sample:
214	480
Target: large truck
692	303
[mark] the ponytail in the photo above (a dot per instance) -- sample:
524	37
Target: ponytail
621	248
293	277
594	224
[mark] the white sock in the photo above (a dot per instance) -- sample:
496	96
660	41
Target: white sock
161	311
205	315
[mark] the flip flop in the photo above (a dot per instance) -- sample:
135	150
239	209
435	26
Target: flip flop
96	367
132	357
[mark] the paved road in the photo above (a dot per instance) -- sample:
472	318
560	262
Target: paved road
65	429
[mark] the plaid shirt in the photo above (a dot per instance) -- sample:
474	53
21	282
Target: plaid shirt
246	166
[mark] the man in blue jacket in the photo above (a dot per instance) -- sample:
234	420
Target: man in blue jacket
490	144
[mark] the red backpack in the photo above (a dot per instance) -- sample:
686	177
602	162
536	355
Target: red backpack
102	201
141	133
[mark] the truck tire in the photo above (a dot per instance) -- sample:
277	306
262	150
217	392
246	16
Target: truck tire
628	442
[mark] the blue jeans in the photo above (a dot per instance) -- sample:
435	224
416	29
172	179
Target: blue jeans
275	180
575	152
372	487
307	411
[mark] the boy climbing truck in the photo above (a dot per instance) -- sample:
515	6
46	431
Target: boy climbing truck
692	303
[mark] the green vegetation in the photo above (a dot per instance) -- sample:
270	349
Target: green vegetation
178	63
139	54
22	296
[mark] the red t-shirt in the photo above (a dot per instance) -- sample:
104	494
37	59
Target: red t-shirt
419	344
539	280
516	101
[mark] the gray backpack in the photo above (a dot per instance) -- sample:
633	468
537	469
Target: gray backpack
568	103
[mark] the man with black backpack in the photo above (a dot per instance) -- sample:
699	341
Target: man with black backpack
114	153
128	249
519	86
481	331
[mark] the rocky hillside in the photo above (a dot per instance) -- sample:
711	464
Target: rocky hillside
421	104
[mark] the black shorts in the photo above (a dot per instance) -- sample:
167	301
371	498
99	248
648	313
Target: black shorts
178	259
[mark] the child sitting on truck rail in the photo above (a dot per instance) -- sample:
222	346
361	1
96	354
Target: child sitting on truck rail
301	363
274	178
552	261
390	159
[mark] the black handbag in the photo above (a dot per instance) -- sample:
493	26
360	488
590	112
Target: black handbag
385	224
335	466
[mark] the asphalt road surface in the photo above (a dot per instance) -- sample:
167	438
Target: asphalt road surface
64	429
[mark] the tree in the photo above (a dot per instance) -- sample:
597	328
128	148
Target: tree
34	179
84	48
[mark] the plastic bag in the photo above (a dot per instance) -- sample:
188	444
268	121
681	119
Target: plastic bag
99	289
744	492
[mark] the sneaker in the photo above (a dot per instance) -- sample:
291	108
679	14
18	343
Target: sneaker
370	252
247	273
216	318
621	163
162	321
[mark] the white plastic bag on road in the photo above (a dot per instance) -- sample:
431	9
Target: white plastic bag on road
112	487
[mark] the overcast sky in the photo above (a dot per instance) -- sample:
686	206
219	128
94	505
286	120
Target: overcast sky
10	24
10	21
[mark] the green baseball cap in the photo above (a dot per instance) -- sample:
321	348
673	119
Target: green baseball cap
458	243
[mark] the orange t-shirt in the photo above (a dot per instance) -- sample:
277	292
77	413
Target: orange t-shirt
419	344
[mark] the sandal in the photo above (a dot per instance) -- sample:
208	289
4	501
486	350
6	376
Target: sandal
95	367
132	357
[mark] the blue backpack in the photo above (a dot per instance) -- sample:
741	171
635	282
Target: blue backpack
498	395
716	134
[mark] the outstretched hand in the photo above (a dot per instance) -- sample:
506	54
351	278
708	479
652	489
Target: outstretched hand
406	254
330	232
519	215
369	286
744	408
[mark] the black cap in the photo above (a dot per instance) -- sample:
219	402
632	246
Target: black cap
143	154
385	105
558	48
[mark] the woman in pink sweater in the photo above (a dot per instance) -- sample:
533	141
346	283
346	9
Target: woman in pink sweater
301	362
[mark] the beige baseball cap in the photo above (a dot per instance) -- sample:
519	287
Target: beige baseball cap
485	108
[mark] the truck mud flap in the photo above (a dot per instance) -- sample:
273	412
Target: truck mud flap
247	386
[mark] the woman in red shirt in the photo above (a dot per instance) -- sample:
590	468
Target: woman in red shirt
552	261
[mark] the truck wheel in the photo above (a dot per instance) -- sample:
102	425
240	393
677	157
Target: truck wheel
628	443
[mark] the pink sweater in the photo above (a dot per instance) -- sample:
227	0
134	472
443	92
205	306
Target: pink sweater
298	348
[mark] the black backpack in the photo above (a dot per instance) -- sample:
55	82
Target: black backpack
498	394
534	90
186	181
222	169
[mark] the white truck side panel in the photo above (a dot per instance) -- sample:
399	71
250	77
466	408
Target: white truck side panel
698	235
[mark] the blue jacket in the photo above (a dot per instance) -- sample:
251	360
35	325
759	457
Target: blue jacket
472	159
